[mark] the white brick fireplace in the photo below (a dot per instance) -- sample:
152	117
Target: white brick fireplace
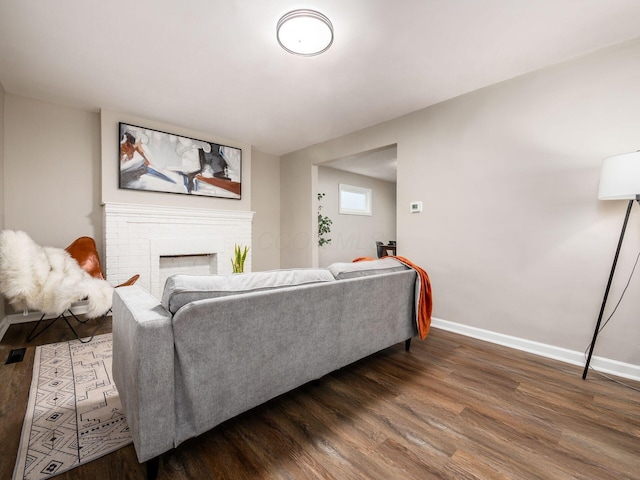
156	242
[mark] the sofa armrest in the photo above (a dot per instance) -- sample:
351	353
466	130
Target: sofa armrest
143	369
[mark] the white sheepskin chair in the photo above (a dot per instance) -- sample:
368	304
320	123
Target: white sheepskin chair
47	279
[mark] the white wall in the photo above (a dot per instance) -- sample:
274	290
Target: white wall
55	182
298	179
51	171
265	197
512	234
2	179
2	175
354	236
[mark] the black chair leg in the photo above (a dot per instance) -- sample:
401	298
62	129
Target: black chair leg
93	334
407	344
32	335
152	468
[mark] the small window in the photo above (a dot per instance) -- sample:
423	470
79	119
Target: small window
355	200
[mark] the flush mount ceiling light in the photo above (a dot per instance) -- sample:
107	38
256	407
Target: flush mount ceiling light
305	32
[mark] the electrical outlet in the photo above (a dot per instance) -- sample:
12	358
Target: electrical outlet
415	207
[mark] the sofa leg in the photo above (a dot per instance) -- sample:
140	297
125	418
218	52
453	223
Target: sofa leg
152	468
407	344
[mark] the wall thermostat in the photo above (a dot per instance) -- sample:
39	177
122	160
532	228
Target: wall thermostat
415	207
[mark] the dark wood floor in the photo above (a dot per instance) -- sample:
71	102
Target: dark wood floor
452	408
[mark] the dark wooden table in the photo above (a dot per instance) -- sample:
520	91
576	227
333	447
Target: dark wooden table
388	250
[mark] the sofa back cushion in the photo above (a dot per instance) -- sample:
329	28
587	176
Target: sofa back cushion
182	289
365	268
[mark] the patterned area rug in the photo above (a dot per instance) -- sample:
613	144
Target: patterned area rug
74	413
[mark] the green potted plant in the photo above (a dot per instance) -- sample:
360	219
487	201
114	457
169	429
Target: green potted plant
239	256
324	224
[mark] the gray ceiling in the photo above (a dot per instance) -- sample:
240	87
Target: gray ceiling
381	164
215	66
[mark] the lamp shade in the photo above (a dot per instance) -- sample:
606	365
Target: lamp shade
620	177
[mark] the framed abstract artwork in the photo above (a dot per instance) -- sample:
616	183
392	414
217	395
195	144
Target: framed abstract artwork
156	161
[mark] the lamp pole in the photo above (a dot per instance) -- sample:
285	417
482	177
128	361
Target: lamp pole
606	292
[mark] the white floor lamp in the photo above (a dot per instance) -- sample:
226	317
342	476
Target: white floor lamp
619	180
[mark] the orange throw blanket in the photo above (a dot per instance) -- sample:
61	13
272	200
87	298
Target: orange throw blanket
425	303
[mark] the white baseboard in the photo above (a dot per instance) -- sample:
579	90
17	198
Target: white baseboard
606	365
4	326
601	364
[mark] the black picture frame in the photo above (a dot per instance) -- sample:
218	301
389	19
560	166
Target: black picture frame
155	161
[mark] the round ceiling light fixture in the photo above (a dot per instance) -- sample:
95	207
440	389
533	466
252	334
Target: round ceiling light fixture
305	32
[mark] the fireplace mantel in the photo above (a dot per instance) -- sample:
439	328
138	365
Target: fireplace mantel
137	236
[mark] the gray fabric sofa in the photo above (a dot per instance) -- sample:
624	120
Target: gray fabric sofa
216	346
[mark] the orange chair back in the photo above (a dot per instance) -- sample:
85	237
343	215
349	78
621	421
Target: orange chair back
85	252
